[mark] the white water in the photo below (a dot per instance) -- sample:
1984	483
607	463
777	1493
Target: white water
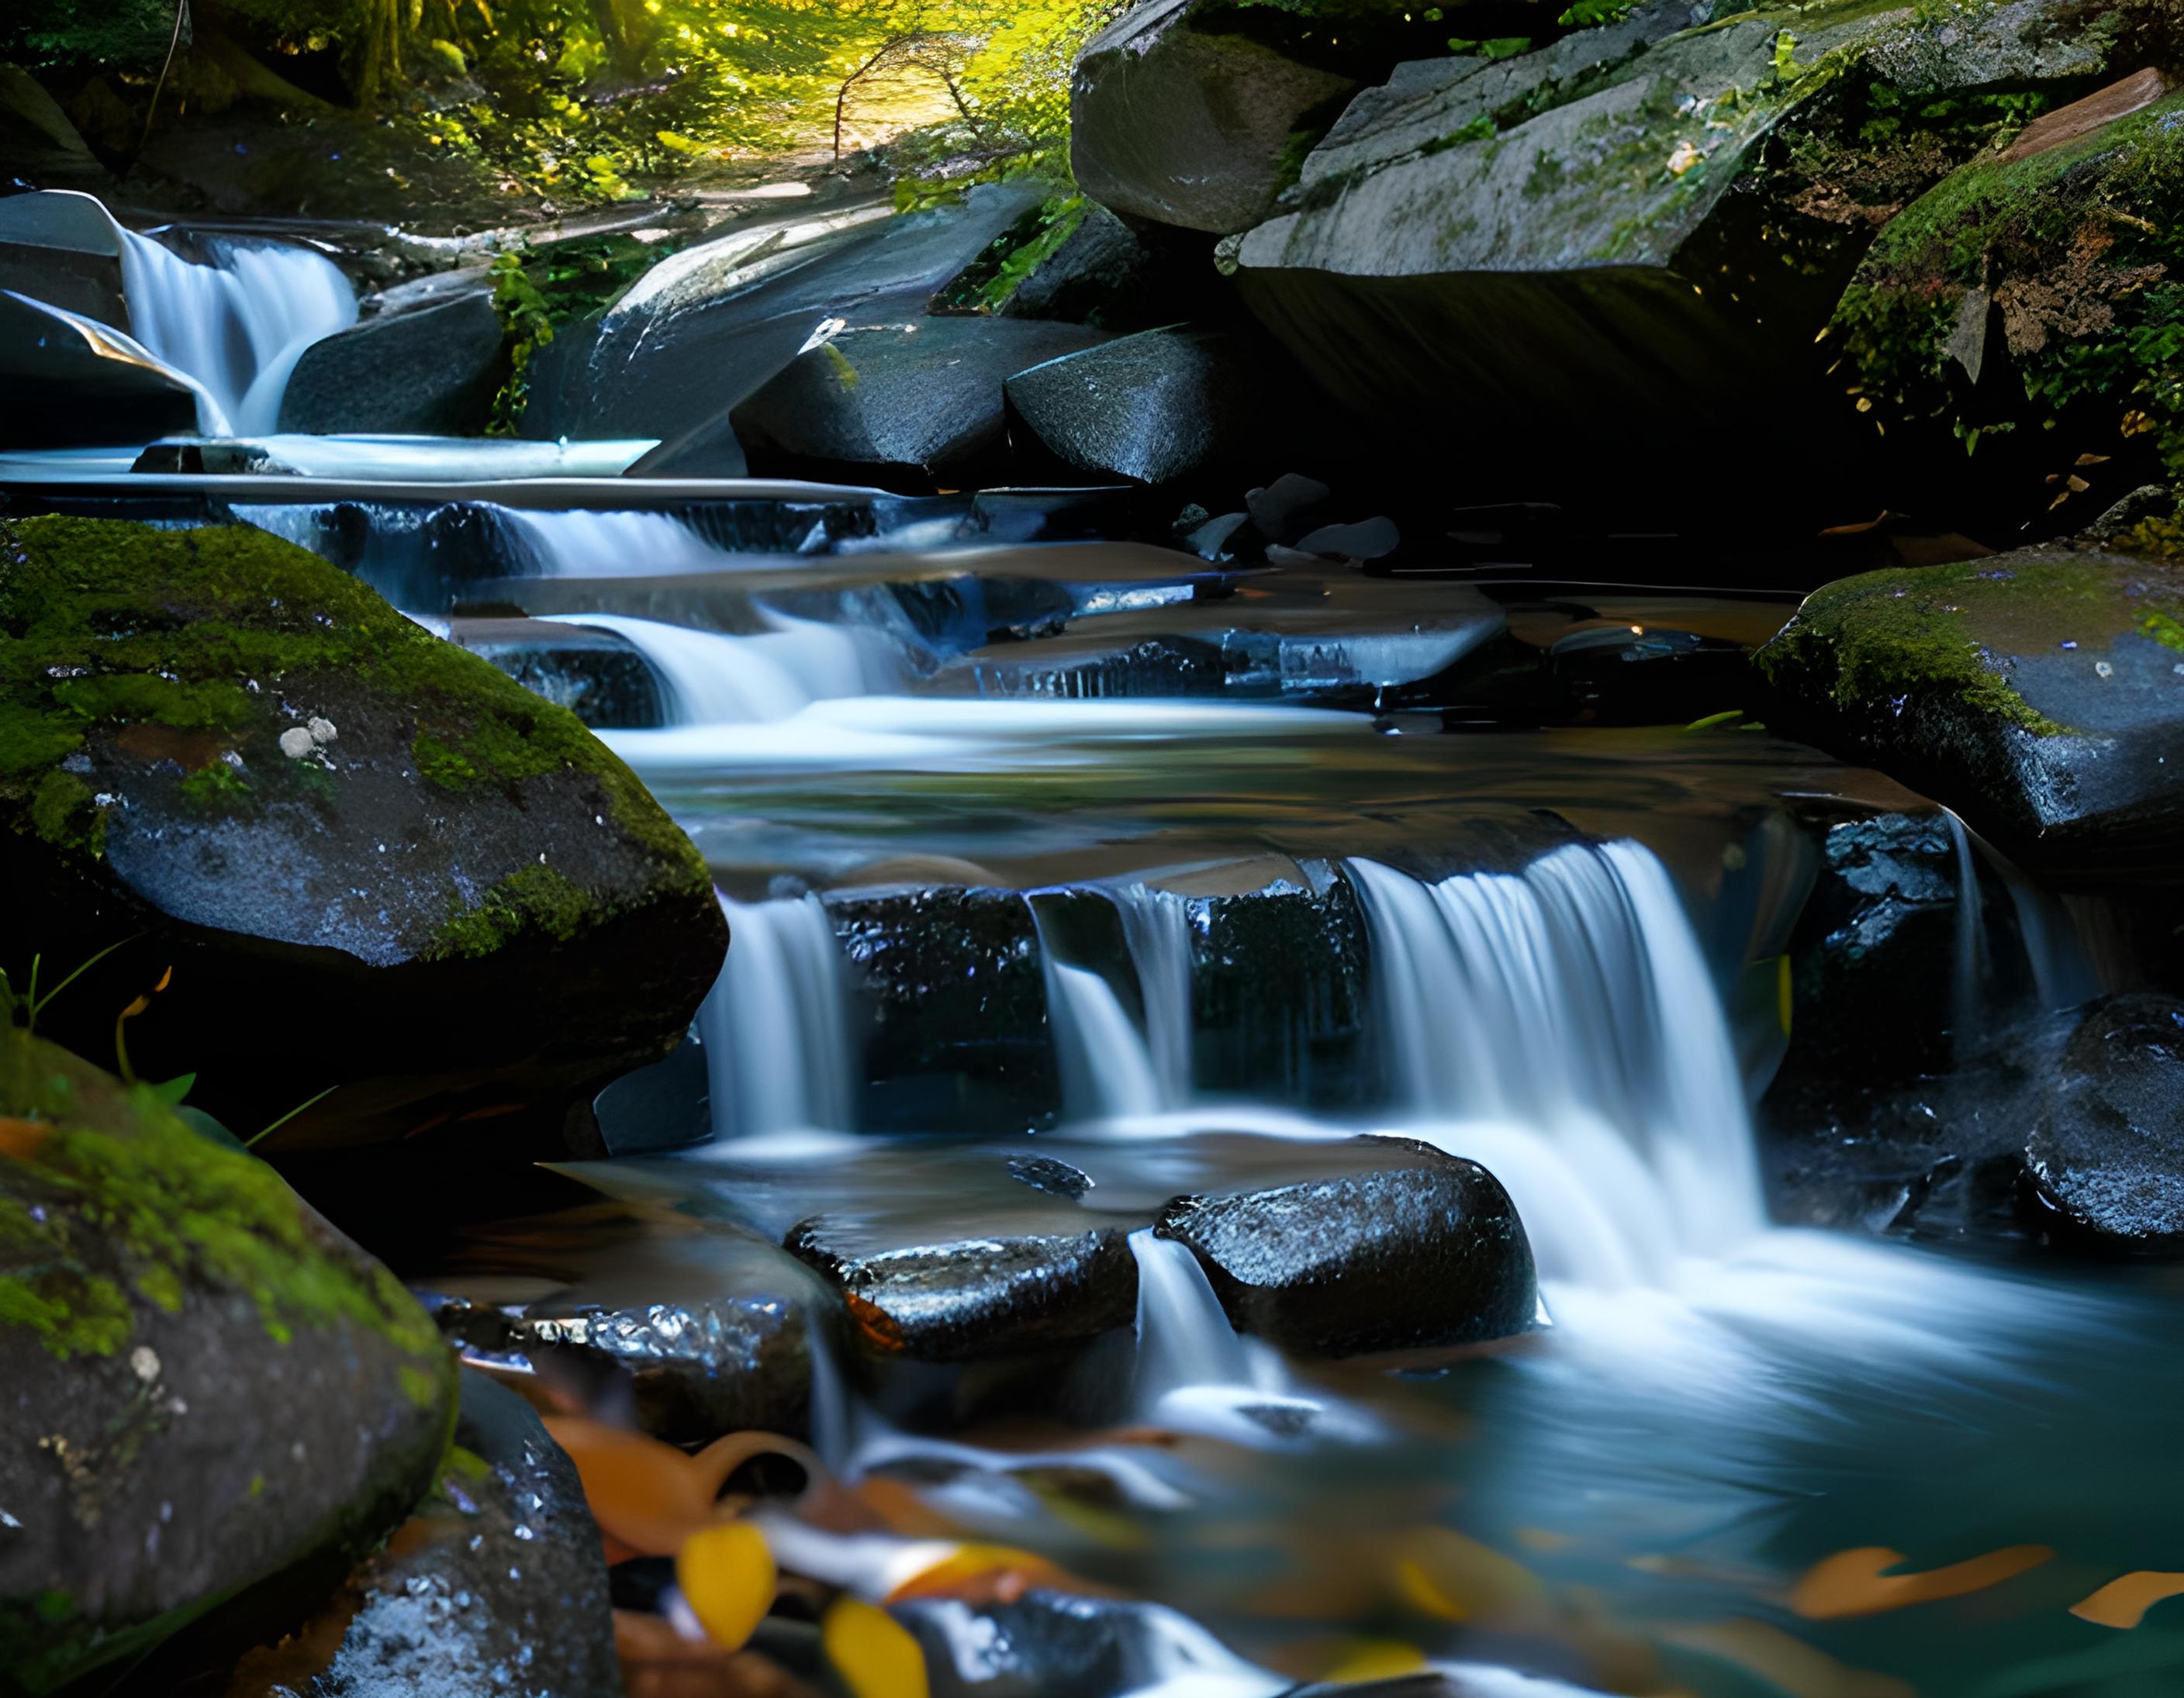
1193	1370
579	543
238	325
1156	928
1969	954
775	1025
1107	1070
715	679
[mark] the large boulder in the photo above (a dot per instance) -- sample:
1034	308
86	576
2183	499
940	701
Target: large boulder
1100	272
1182	111
2041	694
63	249
1632	232
207	1386
433	373
2022	311
73	382
919	400
496	1583
370	859
1409	1249
2105	1165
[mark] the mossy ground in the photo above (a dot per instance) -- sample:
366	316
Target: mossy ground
179	645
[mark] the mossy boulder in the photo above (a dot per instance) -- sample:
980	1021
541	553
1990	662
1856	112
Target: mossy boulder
2039	693
2020	328
208	1387
364	853
1635	233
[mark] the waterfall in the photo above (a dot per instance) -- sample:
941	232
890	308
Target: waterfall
1156	927
1969	966
775	1025
1107	1072
1560	1026
714	679
237	325
1193	1370
573	543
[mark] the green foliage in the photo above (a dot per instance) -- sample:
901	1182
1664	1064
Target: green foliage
123	34
1586	14
1493	47
538	291
987	282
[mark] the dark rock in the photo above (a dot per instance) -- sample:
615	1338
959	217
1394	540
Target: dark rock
1288	507
677	355
37	141
1659	676
1369	539
1050	1645
62	249
1101	275
2105	1165
2038	694
1013	1293
1178	116
1424	1251
1454	1681
70	384
325	821
1056	1178
668	1105
1160	406
496	1583
598	675
207	1385
923	397
430	373
1280	993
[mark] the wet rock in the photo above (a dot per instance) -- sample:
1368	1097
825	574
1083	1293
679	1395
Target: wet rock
922	398
71	384
1050	1645
1102	274
462	871
1419	1251
2105	1165
1369	539
1179	114
1614	674
207	1385
1980	306
62	249
1017	1292
598	675
431	373
675	354
38	141
497	1582
2038	694
1449	1680
1159	407
1638	227
1280	992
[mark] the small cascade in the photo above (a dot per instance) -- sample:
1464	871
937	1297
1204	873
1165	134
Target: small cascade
1107	1071
715	679
575	544
237	325
1562	1028
1969	963
775	1025
1156	928
1193	1370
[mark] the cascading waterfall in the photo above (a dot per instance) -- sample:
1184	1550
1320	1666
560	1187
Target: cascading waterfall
576	543
775	1025
1560	1025
1969	955
1156	928
715	679
1185	1341
237	325
1108	1071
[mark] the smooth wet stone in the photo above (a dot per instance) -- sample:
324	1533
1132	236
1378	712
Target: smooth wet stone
65	250
1017	1292
921	397
1280	993
1414	1250
431	373
205	1384
70	384
1050	1645
2105	1165
1178	115
447	889
496	1583
2039	693
598	675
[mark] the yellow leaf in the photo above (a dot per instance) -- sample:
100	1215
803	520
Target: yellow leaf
1375	1659
1442	1573
726	1576
1856	1583
871	1651
2123	1602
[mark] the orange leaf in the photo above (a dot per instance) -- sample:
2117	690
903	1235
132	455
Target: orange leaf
1857	1583
2124	1602
727	1576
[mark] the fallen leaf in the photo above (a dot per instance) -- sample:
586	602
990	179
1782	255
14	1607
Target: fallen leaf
872	1652
2124	1602
1857	1583
727	1575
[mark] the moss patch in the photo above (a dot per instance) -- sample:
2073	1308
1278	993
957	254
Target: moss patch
537	900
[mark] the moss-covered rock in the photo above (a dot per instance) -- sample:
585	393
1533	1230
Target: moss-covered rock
1639	230
207	1385
215	743
2023	323
2040	693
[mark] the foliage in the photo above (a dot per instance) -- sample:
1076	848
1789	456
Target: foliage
536	293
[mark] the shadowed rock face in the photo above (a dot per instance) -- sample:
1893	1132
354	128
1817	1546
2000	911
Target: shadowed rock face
496	1583
207	1385
2105	1165
1425	1254
315	812
64	249
2036	693
71	385
427	373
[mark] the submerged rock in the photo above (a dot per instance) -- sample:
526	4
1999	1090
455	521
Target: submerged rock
2041	694
2105	1165
429	373
921	397
72	383
1410	1249
453	875
496	1583
206	1385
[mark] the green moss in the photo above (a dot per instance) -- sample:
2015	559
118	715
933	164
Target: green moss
216	789
536	901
